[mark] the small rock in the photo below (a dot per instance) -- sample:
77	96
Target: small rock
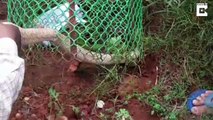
18	116
100	104
33	116
26	99
152	112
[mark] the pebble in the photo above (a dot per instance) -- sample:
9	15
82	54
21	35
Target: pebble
33	115
100	104
18	116
26	99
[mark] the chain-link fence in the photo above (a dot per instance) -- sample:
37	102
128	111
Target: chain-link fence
98	31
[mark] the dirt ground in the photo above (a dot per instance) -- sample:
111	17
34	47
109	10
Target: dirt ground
34	102
74	90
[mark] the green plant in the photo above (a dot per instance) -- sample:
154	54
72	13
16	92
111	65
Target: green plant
123	114
207	117
111	45
107	80
110	110
54	102
185	45
103	116
153	101
173	116
77	111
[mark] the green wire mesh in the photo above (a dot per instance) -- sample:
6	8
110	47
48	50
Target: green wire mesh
111	27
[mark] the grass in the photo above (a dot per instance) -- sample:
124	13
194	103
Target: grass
77	111
186	45
107	80
54	103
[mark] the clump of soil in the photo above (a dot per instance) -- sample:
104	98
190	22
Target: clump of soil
74	100
143	80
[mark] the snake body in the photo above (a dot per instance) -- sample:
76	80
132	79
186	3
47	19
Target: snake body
36	35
